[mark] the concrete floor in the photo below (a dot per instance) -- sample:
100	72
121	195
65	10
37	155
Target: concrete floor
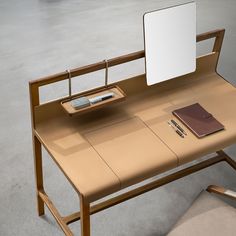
41	37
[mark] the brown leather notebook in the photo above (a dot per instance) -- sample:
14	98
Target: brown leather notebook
198	120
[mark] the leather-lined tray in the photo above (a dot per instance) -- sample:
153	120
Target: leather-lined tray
119	95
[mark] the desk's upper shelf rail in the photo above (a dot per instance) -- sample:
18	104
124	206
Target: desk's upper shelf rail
217	34
35	84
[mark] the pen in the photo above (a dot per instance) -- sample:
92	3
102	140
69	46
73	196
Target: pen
101	98
178	127
176	130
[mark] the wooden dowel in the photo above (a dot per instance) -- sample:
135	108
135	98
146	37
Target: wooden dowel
88	68
55	213
229	160
210	34
85	217
221	191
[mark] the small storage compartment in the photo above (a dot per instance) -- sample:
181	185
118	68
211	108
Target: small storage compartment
117	96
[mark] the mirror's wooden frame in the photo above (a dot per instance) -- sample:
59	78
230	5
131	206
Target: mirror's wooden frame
86	209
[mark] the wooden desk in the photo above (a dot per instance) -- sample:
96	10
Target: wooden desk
104	151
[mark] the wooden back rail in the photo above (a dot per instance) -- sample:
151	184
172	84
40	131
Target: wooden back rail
35	84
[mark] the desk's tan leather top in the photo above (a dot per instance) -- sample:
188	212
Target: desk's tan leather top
106	150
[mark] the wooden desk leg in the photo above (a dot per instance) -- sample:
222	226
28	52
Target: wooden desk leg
38	173
84	217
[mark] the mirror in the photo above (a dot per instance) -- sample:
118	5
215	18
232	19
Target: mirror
170	42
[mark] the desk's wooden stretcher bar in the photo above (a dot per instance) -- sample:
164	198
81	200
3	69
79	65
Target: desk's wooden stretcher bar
104	151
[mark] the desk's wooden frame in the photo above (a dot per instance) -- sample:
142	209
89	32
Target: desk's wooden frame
85	209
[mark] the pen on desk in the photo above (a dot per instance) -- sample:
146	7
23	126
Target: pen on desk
178	127
176	130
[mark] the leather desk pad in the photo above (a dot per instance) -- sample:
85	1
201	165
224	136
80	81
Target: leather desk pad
132	150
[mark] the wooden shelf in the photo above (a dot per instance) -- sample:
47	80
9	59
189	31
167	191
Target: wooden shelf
119	95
